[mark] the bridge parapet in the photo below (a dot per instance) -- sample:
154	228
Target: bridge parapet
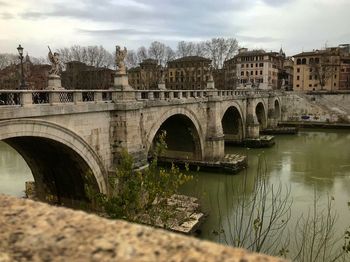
37	97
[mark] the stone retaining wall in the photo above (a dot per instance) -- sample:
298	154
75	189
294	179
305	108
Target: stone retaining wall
33	231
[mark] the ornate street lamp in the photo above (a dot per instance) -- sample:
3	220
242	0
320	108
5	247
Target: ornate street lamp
20	52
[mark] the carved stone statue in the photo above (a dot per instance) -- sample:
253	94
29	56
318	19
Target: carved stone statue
210	71
119	59
55	63
162	76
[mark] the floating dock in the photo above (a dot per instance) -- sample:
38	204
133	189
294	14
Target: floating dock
280	131
261	142
230	164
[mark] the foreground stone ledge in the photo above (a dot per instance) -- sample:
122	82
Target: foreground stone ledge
33	231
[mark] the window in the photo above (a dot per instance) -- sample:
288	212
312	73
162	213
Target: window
310	77
317	60
261	64
256	73
260	72
311	60
303	61
251	73
310	70
298	70
256	64
242	73
251	65
310	85
242	65
297	85
171	73
335	76
298	61
298	77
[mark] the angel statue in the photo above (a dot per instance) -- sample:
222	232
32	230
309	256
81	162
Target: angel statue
55	63
119	59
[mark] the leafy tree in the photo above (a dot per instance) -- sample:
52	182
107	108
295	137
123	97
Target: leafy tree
141	196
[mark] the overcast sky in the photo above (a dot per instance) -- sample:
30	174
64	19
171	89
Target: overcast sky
295	25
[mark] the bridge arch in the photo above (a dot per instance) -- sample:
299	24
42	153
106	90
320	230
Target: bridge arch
184	134
58	158
277	109
232	122
260	111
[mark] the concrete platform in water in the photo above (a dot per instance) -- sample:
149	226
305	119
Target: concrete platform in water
280	131
230	164
262	141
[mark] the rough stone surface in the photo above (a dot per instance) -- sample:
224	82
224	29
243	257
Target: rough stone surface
330	108
33	231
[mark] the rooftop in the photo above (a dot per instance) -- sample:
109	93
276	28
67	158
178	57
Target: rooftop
191	59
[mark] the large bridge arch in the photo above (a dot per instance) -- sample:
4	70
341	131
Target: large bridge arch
187	120
58	158
233	122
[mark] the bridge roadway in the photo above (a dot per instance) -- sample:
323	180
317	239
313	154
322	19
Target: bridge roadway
65	135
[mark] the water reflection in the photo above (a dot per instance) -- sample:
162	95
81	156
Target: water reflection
14	171
310	160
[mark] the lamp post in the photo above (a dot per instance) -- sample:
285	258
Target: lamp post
20	52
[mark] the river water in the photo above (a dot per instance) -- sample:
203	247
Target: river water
312	161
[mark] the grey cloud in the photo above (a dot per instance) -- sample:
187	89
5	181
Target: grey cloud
257	39
188	19
6	15
277	3
108	32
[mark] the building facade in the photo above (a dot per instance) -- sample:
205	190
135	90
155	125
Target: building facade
146	76
327	69
191	72
78	75
256	68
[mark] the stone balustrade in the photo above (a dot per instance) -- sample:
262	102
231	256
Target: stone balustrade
39	97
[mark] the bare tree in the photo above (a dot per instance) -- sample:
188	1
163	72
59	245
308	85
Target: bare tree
7	59
39	60
142	54
323	68
220	49
169	54
157	51
131	59
185	49
91	55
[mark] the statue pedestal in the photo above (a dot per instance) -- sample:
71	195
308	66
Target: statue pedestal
161	86
121	82
54	83
210	84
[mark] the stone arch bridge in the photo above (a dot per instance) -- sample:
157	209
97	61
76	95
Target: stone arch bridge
65	134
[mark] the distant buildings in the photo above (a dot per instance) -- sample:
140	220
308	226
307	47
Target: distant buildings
78	75
327	69
146	76
190	72
36	76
